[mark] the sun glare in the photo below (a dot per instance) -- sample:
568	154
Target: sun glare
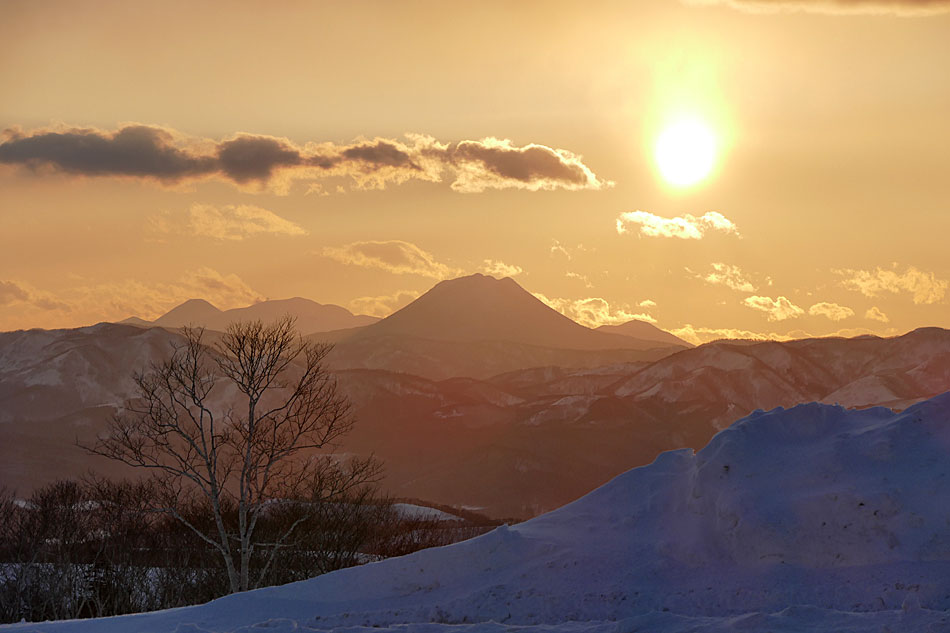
685	152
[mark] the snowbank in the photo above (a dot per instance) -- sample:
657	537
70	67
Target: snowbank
814	518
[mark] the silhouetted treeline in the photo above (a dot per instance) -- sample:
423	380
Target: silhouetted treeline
97	548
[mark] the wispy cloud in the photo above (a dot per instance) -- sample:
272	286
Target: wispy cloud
832	311
394	256
383	305
579	277
14	293
593	311
729	276
925	287
229	222
875	314
777	309
497	268
113	300
687	227
837	7
259	162
700	335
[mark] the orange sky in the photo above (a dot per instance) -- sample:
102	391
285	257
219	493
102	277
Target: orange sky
356	153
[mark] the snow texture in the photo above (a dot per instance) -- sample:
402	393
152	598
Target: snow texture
814	518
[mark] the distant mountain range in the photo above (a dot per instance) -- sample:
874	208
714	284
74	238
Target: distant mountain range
516	444
476	393
475	326
311	316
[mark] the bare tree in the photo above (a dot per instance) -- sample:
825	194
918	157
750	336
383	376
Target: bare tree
237	430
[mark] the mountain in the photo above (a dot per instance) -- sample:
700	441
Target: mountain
440	360
311	316
482	308
515	444
810	519
135	321
857	372
191	312
479	326
643	331
60	386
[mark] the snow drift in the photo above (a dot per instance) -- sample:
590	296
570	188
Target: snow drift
814	518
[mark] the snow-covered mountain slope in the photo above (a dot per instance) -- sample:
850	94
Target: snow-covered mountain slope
441	359
515	445
856	372
815	518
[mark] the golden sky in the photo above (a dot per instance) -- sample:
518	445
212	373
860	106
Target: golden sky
357	152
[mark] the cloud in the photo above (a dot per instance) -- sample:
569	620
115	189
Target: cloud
384	305
558	248
700	335
135	150
493	163
11	292
874	313
924	286
837	7
583	278
777	309
14	293
260	162
497	268
112	301
229	222
687	227
833	311
729	276
394	256
592	311
647	303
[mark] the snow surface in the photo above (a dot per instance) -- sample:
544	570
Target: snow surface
814	518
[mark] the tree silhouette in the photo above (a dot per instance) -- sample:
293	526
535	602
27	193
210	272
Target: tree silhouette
237	430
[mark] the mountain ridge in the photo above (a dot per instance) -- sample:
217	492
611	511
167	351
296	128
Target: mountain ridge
312	317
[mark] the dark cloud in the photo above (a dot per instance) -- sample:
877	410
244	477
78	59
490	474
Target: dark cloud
524	164
164	155
498	164
255	157
136	150
380	153
869	7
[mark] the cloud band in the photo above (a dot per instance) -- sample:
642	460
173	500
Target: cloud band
266	162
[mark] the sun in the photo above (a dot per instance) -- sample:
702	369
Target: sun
685	152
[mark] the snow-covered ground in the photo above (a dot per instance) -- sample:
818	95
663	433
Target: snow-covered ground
809	519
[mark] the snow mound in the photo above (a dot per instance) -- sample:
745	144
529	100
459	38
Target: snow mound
814	518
